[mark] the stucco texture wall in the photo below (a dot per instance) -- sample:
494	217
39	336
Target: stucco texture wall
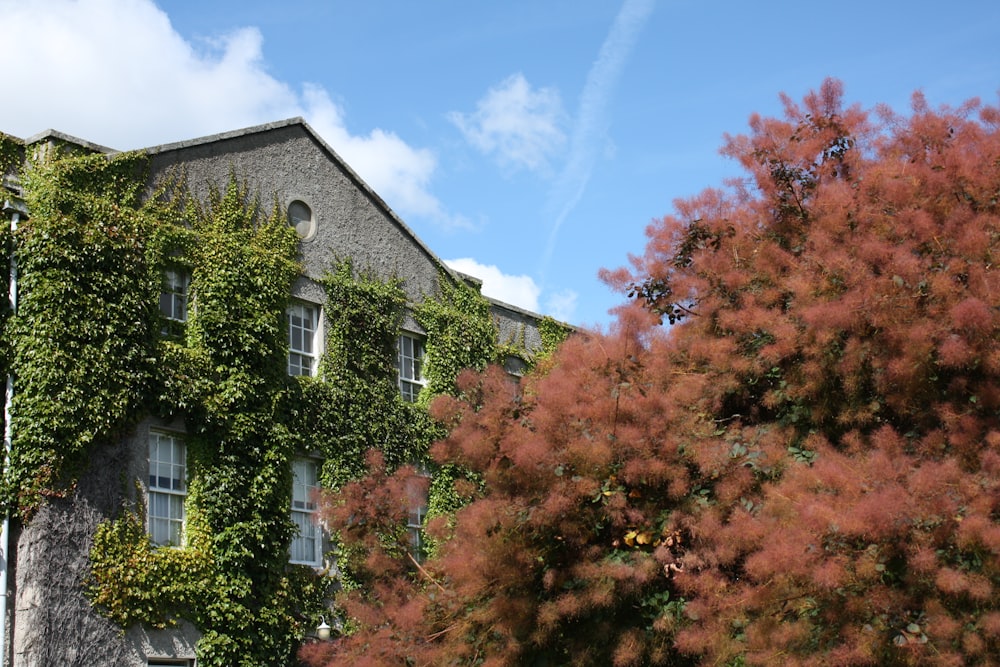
287	162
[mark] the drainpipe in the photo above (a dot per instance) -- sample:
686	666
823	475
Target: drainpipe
15	209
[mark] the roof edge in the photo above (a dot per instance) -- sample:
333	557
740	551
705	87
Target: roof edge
50	134
224	136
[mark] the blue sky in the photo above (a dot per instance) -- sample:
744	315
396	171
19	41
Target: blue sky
528	142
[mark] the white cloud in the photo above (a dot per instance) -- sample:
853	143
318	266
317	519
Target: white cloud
397	171
519	291
521	126
562	305
115	72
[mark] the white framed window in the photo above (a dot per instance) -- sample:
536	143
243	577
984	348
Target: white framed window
415	527
417	498
167	488
174	299
410	366
169	662
303	338
307	544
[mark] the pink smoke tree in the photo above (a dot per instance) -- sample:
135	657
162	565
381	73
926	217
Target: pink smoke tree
786	450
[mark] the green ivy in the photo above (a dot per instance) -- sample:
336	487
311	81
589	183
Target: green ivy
85	297
552	333
355	404
10	154
461	334
136	582
6	247
225	375
92	362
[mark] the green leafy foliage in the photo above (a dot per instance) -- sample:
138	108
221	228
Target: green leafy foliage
86	295
11	150
135	582
355	405
461	335
553	333
225	376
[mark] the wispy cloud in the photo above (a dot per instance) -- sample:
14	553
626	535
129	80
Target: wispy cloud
591	122
134	81
519	125
562	304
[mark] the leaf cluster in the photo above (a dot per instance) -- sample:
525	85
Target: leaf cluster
461	334
355	405
86	295
88	355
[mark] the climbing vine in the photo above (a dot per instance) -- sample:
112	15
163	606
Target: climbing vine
135	582
552	333
354	406
86	297
225	375
93	358
461	334
10	154
9	159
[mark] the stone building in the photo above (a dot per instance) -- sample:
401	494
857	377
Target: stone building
48	619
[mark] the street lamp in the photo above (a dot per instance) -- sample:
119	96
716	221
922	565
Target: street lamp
323	629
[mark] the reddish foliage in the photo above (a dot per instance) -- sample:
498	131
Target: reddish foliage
804	470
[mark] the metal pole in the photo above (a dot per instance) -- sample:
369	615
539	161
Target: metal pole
8	435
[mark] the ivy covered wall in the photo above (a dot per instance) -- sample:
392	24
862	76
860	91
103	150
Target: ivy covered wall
91	365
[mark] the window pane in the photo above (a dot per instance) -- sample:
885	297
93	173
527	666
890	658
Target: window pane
304	547
304	484
302	326
306	544
415	526
173	298
409	362
167	488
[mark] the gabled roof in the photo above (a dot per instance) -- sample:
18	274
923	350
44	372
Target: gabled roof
333	156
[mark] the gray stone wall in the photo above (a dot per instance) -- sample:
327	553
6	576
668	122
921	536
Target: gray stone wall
516	326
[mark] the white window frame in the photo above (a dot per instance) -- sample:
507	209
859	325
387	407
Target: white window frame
410	353
307	545
175	297
415	527
417	496
304	344
167	488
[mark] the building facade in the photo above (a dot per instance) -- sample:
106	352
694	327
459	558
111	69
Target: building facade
158	463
